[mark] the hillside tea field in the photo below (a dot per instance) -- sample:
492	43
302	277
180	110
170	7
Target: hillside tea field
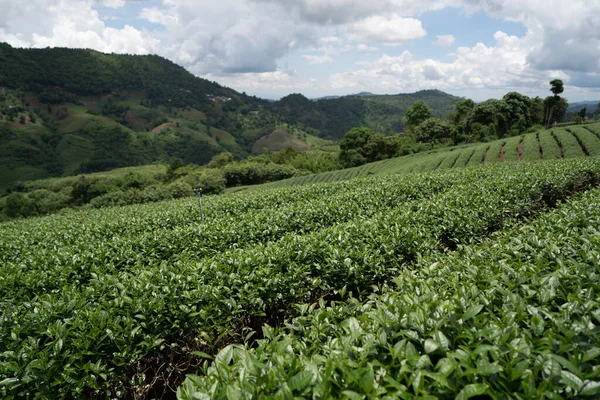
456	282
557	143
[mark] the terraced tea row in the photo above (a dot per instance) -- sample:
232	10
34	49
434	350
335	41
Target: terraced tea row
515	316
121	330
69	259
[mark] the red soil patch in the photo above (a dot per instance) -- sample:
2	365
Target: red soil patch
34	102
163	126
501	158
520	151
485	155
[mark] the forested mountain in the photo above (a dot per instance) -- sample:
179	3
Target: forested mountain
66	111
333	117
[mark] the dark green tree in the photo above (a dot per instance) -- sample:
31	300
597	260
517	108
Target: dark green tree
555	109
220	160
492	112
362	145
519	117
431	130
174	165
18	204
418	113
553	104
556	86
536	110
463	108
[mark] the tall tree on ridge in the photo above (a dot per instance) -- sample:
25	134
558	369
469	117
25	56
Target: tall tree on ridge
556	87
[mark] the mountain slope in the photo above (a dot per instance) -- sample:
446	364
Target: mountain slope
333	117
66	111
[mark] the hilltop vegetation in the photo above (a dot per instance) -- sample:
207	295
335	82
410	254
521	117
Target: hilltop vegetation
332	118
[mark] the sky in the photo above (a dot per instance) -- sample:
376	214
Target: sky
270	48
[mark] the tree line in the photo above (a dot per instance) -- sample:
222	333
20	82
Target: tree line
468	122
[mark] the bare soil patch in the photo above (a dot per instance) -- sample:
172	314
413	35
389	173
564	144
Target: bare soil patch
163	126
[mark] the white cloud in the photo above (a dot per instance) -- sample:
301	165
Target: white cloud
114	3
336	12
312	59
67	23
444	40
390	30
331	39
501	67
567	32
269	84
158	16
364	47
232	36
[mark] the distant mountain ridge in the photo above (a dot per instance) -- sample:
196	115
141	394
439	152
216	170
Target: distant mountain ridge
590	105
333	117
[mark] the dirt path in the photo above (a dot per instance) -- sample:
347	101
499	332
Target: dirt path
560	153
485	155
537	136
501	158
520	150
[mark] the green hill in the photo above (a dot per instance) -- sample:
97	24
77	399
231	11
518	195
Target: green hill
333	117
67	111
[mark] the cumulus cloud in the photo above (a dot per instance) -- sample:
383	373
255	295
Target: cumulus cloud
567	32
502	66
364	47
312	59
272	84
390	30
336	12
114	3
233	36
67	23
444	40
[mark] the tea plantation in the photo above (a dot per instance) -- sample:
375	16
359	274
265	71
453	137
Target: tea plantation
447	283
557	143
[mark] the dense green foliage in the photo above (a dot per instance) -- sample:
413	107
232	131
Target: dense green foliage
362	145
515	316
114	301
417	113
59	73
153	183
